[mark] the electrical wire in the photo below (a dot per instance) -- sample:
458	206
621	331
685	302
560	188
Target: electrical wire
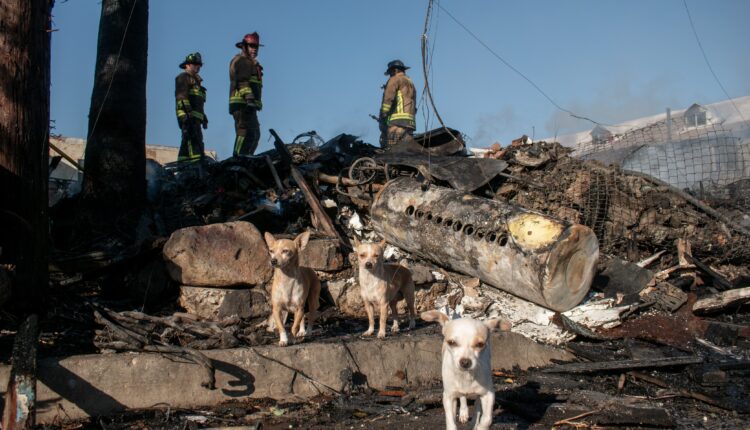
510	66
708	63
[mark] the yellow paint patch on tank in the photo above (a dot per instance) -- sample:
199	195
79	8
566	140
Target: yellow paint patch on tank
531	231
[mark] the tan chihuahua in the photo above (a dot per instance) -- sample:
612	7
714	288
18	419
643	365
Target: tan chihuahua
467	367
382	284
292	286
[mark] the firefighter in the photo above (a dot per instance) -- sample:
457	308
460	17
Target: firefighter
190	97
245	88
397	120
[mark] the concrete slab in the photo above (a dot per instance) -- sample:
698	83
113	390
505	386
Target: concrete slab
90	385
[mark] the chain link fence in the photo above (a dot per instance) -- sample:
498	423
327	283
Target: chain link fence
642	189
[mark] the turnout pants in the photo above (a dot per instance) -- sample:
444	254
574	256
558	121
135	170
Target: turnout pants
191	147
395	135
247	130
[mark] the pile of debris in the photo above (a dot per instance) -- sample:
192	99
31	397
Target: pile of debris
522	234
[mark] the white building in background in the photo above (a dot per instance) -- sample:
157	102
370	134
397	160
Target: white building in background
702	146
65	178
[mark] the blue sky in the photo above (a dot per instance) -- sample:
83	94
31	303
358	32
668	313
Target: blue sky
324	60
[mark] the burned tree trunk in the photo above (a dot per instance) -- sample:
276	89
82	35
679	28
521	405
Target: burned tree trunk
114	180
24	136
533	256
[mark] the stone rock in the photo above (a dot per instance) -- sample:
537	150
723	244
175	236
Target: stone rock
219	303
346	296
218	255
421	273
322	254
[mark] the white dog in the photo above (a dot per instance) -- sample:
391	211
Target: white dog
467	367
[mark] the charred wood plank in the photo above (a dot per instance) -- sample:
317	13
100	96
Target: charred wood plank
321	220
20	396
275	174
723	300
623	365
680	391
719	281
286	158
609	415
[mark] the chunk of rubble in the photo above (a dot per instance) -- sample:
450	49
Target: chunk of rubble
217	303
347	297
598	313
218	255
526	318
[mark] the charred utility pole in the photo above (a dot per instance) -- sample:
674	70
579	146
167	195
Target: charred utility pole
24	140
114	182
24	137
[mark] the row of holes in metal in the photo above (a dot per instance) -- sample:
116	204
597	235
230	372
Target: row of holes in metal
457	226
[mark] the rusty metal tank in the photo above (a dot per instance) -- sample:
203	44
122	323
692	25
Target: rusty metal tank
539	258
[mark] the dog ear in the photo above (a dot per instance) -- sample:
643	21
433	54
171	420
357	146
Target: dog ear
497	322
301	240
356	243
381	244
270	240
435	315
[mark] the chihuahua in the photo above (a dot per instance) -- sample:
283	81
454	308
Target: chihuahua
292	286
382	284
467	367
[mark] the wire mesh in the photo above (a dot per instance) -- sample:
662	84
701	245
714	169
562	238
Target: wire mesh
642	189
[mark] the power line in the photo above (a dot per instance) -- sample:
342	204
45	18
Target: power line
708	63
510	66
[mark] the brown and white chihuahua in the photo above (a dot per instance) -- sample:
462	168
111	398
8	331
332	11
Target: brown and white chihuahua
292	286
382	284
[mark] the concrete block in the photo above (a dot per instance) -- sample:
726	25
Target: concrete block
322	254
219	303
91	385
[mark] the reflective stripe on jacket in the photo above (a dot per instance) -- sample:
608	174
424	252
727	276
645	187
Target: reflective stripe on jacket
189	96
399	102
245	78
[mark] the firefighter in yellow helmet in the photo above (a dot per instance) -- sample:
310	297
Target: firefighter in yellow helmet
399	106
190	97
245	88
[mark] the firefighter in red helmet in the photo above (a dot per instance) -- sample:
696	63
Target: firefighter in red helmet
245	89
190	97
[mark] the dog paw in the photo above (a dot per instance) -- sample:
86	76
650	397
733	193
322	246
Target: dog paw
283	342
381	335
463	415
300	334
368	332
395	329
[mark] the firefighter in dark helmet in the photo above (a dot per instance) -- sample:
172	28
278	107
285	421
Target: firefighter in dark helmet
245	90
397	111
190	97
